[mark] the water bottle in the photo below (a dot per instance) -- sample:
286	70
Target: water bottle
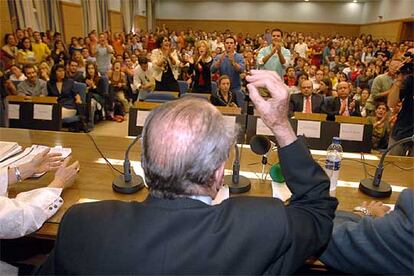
333	163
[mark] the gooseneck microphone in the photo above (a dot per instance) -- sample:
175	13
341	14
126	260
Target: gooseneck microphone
237	183
375	187
128	182
261	145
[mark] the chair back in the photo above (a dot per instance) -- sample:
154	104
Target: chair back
183	85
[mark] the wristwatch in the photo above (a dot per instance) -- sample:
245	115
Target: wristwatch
363	210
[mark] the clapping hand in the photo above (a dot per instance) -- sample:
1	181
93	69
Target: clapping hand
45	161
65	175
273	111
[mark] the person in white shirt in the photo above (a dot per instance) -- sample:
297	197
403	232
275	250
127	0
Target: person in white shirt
144	81
301	47
28	211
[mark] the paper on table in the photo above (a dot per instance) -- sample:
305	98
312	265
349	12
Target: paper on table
8	149
311	129
280	191
262	129
223	194
141	117
351	132
14	111
42	112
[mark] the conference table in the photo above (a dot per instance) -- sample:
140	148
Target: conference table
94	180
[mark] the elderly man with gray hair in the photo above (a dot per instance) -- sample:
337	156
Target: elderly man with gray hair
176	230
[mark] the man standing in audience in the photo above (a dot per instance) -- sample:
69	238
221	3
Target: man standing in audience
343	105
40	49
306	101
274	57
32	86
382	84
231	64
144	81
177	228
103	53
301	47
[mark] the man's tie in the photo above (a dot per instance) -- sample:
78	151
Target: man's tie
308	107
343	107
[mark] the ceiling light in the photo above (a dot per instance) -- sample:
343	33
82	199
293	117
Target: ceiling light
355	1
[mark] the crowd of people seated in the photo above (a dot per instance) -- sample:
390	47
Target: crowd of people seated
347	76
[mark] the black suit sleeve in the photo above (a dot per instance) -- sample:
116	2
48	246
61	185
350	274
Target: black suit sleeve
311	209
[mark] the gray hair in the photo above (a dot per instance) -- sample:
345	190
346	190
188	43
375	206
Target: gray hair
184	143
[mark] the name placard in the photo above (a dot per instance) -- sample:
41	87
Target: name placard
351	132
42	112
14	111
141	117
311	129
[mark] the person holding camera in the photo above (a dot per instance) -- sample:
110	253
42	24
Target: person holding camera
402	90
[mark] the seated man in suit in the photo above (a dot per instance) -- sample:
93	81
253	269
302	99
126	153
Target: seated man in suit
176	230
343	104
306	101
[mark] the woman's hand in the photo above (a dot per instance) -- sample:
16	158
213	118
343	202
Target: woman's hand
65	175
45	161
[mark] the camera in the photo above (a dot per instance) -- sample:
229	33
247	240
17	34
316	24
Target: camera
408	66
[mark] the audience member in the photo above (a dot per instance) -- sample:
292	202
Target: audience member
59	53
25	55
343	105
165	64
16	74
44	71
231	64
63	88
41	50
73	72
274	57
306	101
103	53
117	82
144	81
32	86
381	127
224	96
182	182
200	68
9	51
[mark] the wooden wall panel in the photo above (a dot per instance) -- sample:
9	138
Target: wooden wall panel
255	27
141	22
5	22
72	20
389	30
116	22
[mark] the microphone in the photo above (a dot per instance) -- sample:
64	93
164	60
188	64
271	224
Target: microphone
237	183
375	187
261	145
128	182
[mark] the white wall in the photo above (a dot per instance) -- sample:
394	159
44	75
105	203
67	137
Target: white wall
114	5
388	9
348	13
332	12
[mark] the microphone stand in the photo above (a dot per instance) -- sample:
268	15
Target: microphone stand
375	187
128	182
237	183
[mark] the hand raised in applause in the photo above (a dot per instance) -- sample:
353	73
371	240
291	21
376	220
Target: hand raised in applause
45	161
65	175
273	111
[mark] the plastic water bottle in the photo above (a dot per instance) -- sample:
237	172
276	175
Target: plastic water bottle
333	163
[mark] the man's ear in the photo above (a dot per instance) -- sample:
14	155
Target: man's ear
219	177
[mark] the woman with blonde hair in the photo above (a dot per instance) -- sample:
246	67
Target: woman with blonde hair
200	68
44	71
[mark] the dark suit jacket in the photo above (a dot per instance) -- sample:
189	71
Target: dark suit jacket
242	235
375	245
67	96
335	106
296	103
